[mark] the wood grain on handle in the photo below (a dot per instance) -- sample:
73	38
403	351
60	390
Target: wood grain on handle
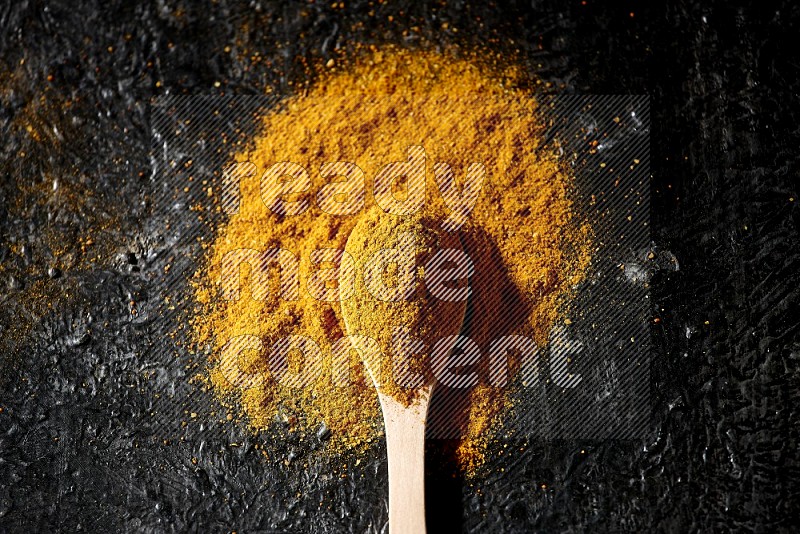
405	447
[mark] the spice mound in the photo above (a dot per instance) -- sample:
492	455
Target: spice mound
312	189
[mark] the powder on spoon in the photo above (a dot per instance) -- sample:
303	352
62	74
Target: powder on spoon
401	308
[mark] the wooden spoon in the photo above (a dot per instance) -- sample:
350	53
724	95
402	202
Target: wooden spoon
404	414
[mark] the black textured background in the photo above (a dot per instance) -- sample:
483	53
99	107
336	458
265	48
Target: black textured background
79	448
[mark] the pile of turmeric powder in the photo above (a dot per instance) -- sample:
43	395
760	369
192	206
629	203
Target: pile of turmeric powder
528	246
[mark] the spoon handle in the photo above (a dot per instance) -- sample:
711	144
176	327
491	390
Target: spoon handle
405	447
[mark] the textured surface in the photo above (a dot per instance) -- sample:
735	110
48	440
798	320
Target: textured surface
79	447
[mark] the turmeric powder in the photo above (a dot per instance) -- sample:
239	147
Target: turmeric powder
409	306
528	246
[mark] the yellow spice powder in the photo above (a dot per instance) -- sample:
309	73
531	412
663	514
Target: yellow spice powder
377	315
528	247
